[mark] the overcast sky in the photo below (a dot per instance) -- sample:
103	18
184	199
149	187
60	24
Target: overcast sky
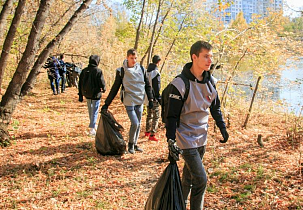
295	5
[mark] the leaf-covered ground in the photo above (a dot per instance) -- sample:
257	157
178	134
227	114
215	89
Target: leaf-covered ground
53	164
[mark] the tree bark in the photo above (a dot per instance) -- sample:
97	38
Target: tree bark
56	23
251	103
158	34
3	15
31	79
139	27
151	44
20	85
11	97
10	38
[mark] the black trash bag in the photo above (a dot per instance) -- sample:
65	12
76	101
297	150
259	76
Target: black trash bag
109	140
167	193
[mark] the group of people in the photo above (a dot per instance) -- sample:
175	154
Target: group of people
56	71
187	120
60	71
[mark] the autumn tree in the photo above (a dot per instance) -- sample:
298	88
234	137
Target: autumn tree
10	38
4	13
22	82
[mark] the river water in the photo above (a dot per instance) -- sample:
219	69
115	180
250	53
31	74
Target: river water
292	92
285	87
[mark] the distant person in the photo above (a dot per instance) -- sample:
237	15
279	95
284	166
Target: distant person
153	114
132	77
75	74
52	66
192	117
62	72
92	85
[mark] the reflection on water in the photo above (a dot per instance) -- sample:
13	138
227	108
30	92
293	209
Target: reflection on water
287	87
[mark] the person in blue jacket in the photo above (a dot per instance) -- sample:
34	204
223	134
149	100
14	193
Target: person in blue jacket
62	72
52	66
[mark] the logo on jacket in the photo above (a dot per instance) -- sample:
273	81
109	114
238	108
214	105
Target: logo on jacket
208	98
174	96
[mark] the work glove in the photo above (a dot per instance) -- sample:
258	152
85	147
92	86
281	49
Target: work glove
104	107
80	98
174	150
224	135
150	104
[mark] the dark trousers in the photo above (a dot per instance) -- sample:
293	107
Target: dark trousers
63	81
56	80
194	177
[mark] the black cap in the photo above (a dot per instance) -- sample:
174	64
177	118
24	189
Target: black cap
156	59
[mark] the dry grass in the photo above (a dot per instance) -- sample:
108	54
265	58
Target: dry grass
53	164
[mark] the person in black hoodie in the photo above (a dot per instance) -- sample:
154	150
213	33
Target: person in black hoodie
92	85
191	134
153	114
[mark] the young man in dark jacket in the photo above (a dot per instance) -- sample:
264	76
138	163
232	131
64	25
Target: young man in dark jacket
132	77
92	85
153	114
52	66
62	72
191	135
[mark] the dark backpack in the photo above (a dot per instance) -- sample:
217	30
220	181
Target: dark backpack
165	97
87	83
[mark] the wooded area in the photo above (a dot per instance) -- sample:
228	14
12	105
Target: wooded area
46	128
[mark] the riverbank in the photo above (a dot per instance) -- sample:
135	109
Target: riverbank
53	164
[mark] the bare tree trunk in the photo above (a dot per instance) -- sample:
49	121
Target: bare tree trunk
14	94
10	38
158	34
173	43
11	97
3	15
251	103
151	44
31	79
139	27
56	23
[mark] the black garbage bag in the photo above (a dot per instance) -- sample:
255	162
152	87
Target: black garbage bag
109	140
167	193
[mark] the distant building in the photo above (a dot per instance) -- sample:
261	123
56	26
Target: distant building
249	8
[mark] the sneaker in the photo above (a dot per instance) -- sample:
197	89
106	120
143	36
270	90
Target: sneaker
92	132
147	134
153	138
131	148
138	149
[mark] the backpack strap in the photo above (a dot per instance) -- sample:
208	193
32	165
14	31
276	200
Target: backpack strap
142	68
122	72
187	86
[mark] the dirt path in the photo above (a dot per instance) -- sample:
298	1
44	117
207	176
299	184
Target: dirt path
53	164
